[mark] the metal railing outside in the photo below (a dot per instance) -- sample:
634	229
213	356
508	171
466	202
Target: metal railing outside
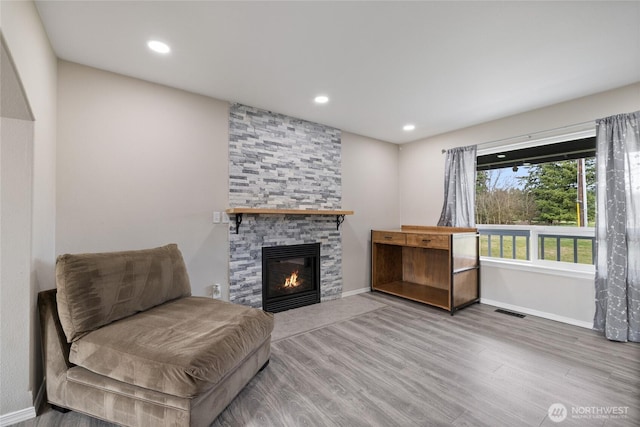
499	235
575	246
532	243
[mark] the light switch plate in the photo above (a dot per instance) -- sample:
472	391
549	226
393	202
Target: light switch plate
216	217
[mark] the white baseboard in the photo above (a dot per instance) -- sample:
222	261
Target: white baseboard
17	416
356	292
544	315
524	310
26	413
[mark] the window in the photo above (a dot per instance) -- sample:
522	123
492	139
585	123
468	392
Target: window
537	203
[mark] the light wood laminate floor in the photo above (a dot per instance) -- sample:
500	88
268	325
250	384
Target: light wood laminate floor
398	363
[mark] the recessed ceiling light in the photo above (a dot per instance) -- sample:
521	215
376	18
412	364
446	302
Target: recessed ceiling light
158	46
408	127
321	99
501	156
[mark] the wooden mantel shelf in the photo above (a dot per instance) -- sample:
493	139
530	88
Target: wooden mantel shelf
238	212
288	211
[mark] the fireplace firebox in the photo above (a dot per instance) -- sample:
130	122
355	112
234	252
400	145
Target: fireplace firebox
290	276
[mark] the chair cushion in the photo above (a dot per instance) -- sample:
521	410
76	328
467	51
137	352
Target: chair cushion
182	347
97	289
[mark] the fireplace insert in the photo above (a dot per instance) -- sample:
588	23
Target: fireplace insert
290	276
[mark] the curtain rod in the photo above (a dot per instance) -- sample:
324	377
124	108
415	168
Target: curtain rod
528	136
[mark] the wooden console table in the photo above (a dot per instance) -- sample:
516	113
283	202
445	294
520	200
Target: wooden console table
439	266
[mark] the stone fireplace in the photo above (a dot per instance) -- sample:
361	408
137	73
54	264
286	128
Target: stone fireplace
280	162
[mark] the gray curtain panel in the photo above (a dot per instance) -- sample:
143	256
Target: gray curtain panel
617	233
459	208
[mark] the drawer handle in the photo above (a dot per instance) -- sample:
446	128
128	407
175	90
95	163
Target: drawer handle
388	237
426	240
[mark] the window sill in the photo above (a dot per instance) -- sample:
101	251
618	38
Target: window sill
576	271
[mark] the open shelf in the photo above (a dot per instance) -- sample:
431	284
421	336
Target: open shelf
438	266
238	212
261	211
416	292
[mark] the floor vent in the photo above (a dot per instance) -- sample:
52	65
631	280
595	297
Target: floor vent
510	313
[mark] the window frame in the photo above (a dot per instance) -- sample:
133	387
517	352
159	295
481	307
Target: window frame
558	268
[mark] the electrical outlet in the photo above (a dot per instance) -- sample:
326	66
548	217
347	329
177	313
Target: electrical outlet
216	290
216	217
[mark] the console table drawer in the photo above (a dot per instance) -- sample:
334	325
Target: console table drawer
434	241
389	237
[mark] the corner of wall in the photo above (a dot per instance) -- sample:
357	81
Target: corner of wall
36	66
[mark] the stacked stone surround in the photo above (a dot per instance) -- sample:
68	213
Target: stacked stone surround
280	162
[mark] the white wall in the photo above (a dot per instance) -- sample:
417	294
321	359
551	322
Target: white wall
422	187
422	162
16	164
370	188
546	294
36	67
141	165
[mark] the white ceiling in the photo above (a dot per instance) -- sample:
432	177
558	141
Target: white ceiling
439	65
